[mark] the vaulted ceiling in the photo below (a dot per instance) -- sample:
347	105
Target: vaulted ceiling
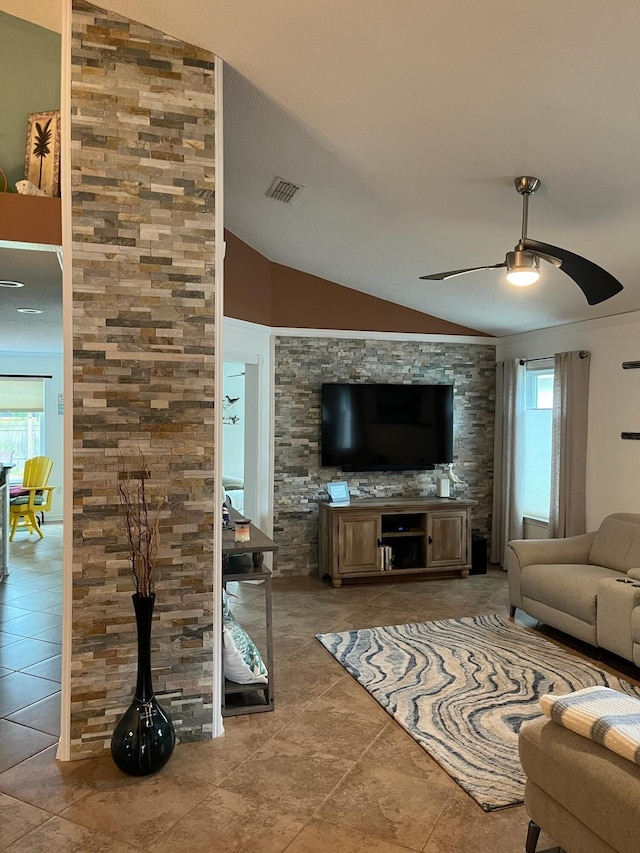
407	122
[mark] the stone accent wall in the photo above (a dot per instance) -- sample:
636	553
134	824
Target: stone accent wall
143	182
302	364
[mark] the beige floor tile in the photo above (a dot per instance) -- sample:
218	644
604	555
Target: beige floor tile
32	624
152	805
397	751
289	645
19	690
390	806
288	776
322	837
213	760
299	682
43	715
25	652
5	638
37	580
461	605
231	823
301	603
312	652
63	836
40	599
54	785
353	595
10	612
49	635
433	585
18	743
408	601
371	616
343	722
11	591
17	819
465	828
441	609
50	668
313	623
288	600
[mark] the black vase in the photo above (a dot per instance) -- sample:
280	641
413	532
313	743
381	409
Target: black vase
143	739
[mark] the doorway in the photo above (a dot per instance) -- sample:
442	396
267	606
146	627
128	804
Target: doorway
234	421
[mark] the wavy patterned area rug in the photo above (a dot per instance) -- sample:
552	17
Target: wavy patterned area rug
462	688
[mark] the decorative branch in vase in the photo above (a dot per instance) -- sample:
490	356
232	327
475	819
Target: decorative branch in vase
143	739
143	523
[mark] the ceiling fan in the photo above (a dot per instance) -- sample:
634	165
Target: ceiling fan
523	263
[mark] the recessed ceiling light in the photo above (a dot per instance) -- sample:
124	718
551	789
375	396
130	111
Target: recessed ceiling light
29	311
7	283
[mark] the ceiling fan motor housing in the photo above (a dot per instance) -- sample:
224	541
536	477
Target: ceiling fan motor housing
522	267
522	259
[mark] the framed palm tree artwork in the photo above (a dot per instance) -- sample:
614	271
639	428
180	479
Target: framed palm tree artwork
42	159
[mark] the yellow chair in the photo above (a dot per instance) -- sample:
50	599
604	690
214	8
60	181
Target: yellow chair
35	496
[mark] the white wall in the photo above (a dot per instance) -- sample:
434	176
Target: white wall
233	419
45	364
613	464
250	344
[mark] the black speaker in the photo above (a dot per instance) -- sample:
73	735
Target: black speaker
478	553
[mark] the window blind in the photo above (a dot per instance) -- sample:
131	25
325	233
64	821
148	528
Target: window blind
537	463
538	428
22	395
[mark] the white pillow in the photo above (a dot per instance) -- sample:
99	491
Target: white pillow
232	482
242	661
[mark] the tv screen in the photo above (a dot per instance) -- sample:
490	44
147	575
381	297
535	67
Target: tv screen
386	427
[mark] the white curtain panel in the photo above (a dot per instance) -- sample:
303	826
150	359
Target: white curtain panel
567	513
508	458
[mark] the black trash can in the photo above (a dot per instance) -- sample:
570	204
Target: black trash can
478	553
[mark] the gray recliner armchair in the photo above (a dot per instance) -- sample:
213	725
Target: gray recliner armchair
587	586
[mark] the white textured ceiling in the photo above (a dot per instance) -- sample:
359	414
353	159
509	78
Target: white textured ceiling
407	123
39	271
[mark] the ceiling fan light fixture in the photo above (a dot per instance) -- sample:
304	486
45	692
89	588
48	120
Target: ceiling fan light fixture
522	278
523	268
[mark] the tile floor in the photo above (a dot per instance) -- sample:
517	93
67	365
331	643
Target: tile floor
30	637
327	772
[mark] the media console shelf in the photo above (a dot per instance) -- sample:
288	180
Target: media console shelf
379	538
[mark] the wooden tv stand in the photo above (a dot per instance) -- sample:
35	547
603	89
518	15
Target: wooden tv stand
427	536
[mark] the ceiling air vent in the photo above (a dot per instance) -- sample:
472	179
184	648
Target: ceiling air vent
285	191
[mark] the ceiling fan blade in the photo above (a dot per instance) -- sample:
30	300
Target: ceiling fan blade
441	276
596	283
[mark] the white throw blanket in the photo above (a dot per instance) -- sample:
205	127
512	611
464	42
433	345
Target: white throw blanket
602	714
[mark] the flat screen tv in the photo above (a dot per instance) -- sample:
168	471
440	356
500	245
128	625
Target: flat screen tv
386	427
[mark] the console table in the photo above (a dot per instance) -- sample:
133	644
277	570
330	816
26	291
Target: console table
380	538
254	697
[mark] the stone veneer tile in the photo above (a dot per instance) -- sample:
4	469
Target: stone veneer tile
143	219
302	364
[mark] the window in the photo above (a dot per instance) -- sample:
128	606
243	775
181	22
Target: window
538	427
21	421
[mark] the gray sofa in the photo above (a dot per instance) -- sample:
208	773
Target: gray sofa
587	586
